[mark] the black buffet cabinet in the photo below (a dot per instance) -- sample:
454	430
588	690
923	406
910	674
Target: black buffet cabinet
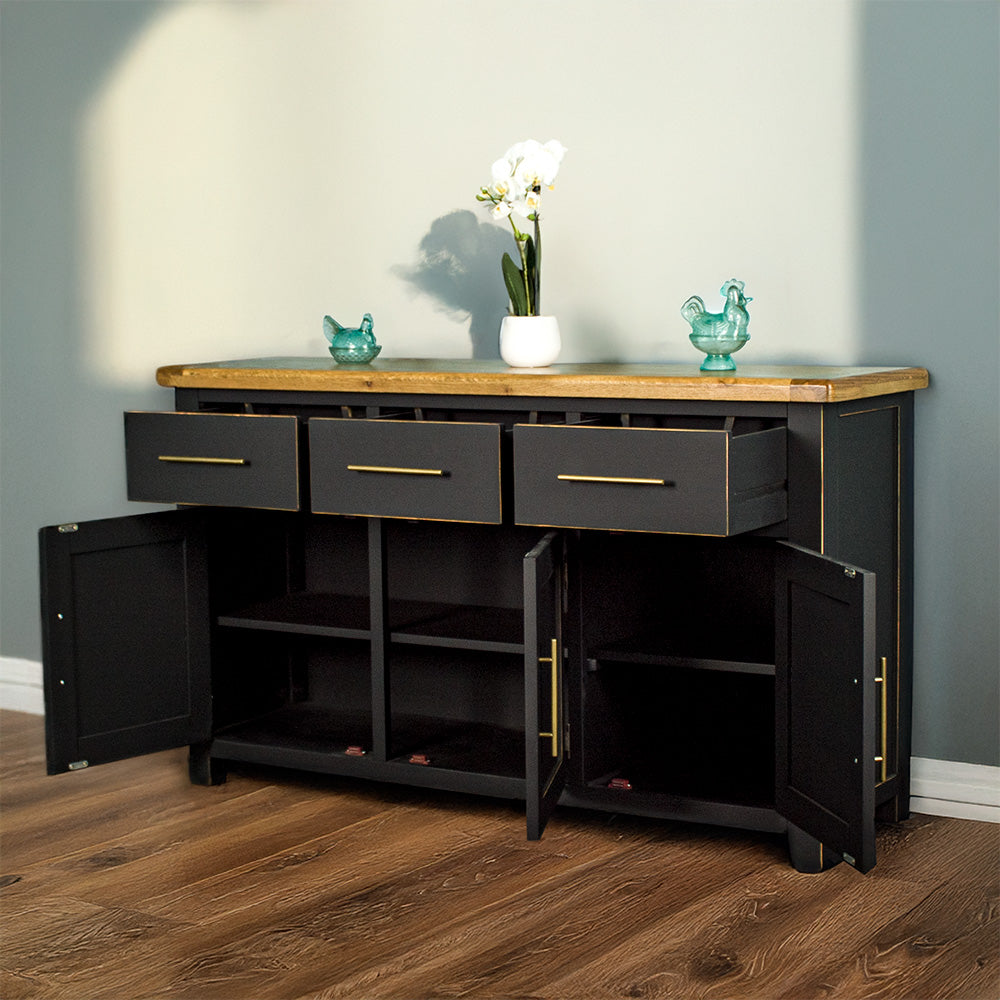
629	588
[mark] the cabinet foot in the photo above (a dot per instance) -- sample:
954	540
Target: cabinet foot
807	854
203	769
894	811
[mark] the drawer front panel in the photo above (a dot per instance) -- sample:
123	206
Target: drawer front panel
643	479
219	459
401	468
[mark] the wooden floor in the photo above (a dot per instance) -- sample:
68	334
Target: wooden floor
125	882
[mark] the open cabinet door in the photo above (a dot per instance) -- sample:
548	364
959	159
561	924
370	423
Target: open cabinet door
125	638
544	701
825	701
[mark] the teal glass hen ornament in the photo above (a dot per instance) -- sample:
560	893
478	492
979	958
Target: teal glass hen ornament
719	335
351	346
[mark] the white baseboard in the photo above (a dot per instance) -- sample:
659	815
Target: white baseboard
21	685
938	787
953	788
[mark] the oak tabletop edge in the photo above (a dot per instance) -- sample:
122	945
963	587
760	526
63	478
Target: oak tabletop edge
789	383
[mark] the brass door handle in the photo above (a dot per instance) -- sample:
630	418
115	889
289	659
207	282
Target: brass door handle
396	470
203	459
554	660
883	758
633	480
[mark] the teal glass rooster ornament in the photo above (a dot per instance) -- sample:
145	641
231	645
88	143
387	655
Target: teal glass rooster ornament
719	335
351	346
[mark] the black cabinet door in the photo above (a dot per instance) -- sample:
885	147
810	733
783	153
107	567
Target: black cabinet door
125	637
544	701
825	701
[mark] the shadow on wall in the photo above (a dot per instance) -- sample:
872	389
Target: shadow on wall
458	264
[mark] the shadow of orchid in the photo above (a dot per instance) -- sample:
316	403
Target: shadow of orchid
458	264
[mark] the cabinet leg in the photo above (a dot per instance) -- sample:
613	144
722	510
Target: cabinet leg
892	811
807	854
203	769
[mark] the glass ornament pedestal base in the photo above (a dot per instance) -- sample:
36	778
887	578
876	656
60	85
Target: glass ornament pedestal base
719	351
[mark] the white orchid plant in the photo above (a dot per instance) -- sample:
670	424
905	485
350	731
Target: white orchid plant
518	179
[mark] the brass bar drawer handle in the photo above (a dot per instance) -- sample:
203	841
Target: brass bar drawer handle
395	469
612	479
203	459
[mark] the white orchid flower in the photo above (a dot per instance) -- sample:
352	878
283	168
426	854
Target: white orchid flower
517	181
503	178
530	203
537	169
519	151
532	164
556	149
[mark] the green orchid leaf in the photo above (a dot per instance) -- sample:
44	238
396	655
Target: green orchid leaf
532	252
514	280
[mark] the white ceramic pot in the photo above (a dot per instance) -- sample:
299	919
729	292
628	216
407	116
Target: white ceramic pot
529	341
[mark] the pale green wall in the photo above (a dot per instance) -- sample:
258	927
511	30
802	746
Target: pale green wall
194	181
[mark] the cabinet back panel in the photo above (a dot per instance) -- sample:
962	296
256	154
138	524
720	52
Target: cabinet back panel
250	674
335	555
683	732
339	674
458	564
458	684
696	597
258	672
248	556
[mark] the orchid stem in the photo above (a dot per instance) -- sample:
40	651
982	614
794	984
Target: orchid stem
521	238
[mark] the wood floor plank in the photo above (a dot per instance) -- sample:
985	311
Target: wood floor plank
125	882
73	803
388	842
946	946
149	861
742	942
63	943
388	896
933	849
554	926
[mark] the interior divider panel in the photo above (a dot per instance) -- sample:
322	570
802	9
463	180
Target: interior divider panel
216	459
405	468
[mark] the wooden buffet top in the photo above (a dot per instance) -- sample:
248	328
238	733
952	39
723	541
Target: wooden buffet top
434	376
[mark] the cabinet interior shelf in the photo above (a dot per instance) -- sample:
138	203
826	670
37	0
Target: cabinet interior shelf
488	629
302	726
753	657
459	746
334	615
753	790
454	755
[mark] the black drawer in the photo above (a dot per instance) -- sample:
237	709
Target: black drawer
221	459
701	482
403	468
